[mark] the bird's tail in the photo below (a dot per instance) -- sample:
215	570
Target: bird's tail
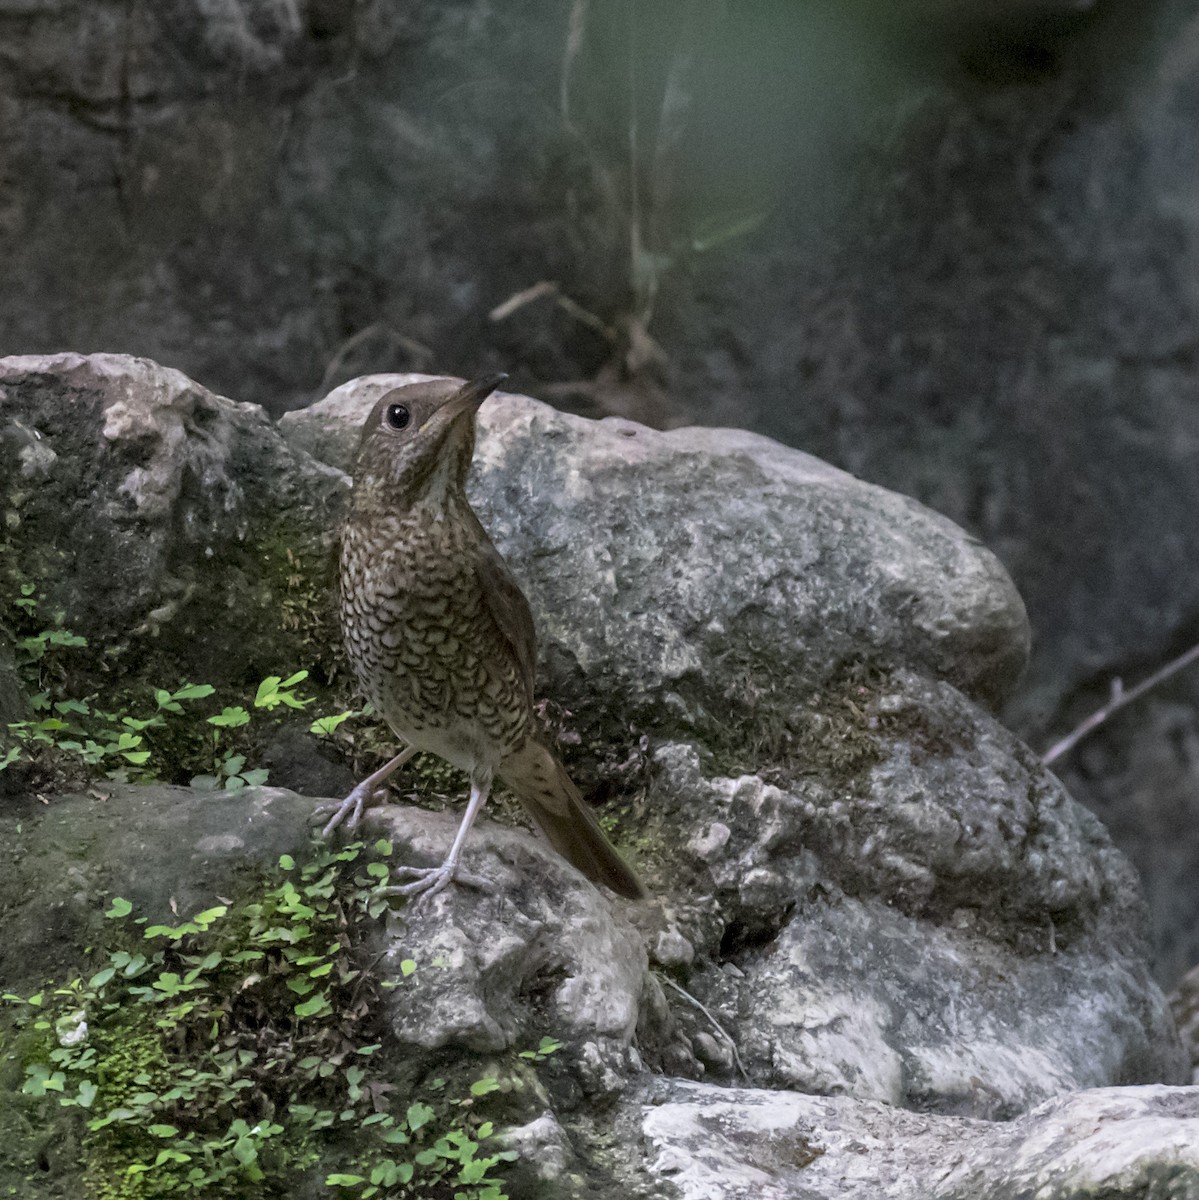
541	783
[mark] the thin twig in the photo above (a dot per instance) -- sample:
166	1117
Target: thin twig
720	1029
636	251
547	287
1120	698
570	52
418	350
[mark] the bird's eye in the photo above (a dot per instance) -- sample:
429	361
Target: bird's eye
397	416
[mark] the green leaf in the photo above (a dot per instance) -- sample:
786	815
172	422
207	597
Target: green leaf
230	718
383	847
286	862
41	1080
163	1131
473	1170
257	777
100	978
418	1115
378	870
341	1180
407	967
485	1086
87	1093
245	1151
311	1006
324	726
120	908
210	916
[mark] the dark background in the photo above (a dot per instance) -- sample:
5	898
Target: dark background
950	246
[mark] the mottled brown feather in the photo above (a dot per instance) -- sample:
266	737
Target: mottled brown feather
438	631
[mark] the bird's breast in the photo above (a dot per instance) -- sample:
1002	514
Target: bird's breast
423	644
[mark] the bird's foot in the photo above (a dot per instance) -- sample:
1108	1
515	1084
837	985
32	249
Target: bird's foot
349	811
427	882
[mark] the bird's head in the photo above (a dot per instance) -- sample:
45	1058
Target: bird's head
418	438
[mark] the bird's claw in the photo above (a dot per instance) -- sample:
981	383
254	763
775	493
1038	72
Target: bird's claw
427	882
349	812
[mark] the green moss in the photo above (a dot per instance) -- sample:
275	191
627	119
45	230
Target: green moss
233	1053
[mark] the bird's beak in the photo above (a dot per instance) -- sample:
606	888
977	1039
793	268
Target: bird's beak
466	399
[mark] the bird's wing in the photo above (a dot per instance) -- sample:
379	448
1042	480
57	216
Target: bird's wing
510	610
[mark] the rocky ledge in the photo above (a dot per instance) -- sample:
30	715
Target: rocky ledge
888	955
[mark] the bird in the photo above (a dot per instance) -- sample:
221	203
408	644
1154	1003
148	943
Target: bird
441	637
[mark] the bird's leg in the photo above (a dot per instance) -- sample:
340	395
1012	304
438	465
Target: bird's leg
428	881
350	809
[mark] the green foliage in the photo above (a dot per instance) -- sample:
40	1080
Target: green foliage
326	726
547	1047
274	691
71	731
229	1054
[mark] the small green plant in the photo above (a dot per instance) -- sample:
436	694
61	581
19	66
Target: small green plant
70	731
327	726
547	1047
234	1050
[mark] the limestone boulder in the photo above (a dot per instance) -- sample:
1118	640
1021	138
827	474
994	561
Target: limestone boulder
740	1144
947	930
169	526
694	575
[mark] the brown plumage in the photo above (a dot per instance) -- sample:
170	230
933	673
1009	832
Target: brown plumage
440	634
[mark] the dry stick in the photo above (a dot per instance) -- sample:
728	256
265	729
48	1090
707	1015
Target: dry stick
570	52
416	349
720	1029
1119	699
547	287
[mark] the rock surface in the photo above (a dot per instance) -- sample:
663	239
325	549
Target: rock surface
663	566
865	887
949	933
161	520
544	952
738	1144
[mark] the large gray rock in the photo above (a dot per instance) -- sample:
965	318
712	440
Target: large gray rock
163	521
545	950
548	954
866	886
544	953
693	573
738	1144
951	932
